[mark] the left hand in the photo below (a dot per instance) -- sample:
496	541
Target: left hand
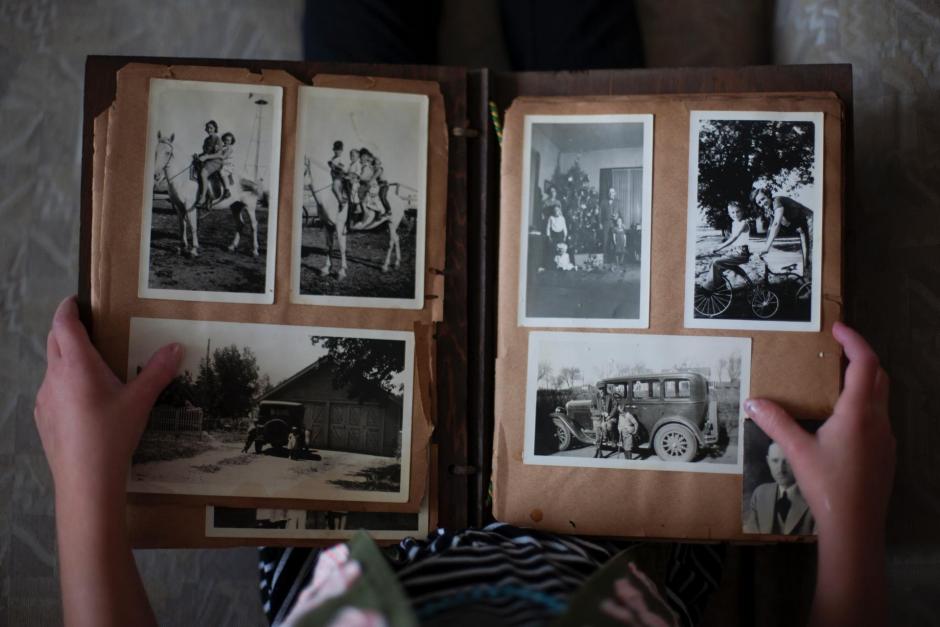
88	420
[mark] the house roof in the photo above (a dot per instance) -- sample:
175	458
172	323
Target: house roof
286	382
321	362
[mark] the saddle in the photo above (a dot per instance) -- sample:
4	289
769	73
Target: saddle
215	180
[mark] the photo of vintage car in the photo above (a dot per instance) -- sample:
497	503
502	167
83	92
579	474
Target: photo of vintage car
677	415
279	424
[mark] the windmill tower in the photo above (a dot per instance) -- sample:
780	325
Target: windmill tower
254	146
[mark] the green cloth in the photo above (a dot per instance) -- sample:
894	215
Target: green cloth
376	589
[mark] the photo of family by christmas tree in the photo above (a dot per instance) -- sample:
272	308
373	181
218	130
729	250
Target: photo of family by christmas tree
586	245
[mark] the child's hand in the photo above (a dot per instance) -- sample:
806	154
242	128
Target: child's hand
846	470
89	421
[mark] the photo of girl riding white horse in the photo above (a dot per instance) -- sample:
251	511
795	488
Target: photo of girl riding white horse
210	192
359	198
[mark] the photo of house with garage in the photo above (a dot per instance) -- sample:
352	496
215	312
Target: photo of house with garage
278	411
309	411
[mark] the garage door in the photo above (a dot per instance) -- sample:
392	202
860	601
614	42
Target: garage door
316	421
356	428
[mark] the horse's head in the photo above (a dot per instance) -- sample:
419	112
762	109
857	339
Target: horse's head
162	155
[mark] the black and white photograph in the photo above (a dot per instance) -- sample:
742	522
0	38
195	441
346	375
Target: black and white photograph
754	239
263	410
239	522
771	501
360	210
586	204
616	400
209	221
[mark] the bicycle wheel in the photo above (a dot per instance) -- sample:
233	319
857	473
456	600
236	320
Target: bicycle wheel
711	303
804	294
764	303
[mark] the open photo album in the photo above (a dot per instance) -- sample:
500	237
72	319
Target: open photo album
413	297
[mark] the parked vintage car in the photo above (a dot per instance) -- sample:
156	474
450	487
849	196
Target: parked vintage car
677	415
281	425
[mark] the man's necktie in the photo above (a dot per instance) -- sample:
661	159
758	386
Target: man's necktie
783	508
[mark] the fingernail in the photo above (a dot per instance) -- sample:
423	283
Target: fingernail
66	309
750	406
176	351
170	355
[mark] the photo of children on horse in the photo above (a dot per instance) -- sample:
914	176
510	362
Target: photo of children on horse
209	209
360	184
212	168
360	216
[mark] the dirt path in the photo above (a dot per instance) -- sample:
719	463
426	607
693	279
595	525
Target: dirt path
365	254
215	269
228	471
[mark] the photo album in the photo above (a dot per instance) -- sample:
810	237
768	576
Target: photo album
413	297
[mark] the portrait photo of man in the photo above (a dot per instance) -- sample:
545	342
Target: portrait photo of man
774	507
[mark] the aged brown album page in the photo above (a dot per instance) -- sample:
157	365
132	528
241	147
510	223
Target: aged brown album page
799	369
119	159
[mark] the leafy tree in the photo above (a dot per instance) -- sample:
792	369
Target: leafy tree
568	377
181	390
545	374
734	367
734	155
238	379
367	366
207	388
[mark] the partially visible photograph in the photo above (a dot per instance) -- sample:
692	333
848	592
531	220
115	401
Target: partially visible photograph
238	522
771	501
360	210
209	221
754	239
586	203
606	400
329	419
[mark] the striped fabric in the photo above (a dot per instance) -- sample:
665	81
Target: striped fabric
500	575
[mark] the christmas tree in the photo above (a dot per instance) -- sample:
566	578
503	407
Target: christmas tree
580	205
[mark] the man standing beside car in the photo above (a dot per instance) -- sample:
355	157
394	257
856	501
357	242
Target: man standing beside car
599	411
253	433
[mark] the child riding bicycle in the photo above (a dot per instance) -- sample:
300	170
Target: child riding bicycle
740	254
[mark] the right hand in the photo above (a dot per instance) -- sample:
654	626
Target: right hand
846	469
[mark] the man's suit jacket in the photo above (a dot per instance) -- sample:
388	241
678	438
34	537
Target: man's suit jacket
759	517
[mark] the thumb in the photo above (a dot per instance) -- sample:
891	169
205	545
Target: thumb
156	375
779	427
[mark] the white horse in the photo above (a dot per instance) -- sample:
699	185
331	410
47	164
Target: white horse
397	204
183	192
334	214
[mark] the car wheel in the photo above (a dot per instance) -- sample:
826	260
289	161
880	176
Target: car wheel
563	436
675	443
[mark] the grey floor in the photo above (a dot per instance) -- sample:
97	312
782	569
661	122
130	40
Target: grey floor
893	262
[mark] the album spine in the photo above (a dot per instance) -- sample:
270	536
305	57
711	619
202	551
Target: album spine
483	235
